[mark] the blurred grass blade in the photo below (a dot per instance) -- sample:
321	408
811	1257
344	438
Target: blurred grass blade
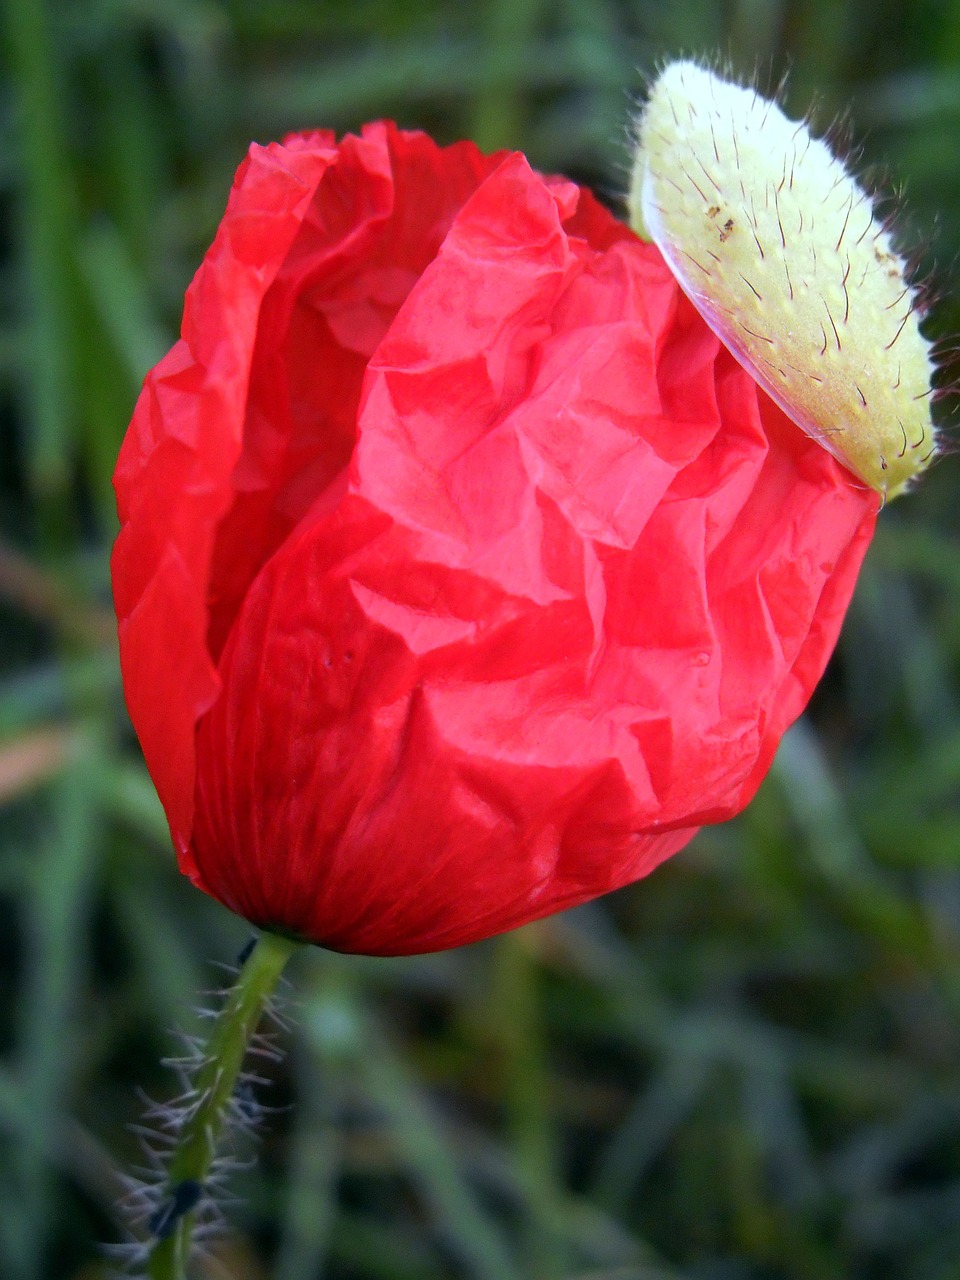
43	594
306	1226
518	1027
47	218
496	118
429	1156
32	759
340	1030
817	805
57	688
648	1127
55	953
121	297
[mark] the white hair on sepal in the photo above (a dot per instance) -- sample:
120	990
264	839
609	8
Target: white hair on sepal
787	258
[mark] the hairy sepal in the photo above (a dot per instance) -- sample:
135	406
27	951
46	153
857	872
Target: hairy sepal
781	251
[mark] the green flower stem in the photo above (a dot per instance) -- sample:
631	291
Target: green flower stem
214	1083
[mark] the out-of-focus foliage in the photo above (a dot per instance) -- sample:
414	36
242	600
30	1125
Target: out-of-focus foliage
744	1068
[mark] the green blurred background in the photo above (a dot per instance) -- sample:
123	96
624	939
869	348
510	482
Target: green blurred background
744	1068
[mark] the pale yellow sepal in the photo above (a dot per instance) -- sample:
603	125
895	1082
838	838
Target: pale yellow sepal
780	250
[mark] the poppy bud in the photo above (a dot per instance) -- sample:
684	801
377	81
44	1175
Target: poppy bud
463	572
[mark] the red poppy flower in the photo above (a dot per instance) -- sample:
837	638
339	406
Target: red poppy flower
463	574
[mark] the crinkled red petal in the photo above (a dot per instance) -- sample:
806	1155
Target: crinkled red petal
575	581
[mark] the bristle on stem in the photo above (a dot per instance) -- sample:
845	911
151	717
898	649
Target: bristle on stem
182	1145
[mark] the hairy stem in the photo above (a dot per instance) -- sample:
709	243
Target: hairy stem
214	1084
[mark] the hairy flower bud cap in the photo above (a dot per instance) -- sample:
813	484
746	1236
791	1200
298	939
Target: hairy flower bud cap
780	250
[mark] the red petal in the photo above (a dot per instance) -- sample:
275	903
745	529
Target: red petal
378	218
582	577
251	414
173	477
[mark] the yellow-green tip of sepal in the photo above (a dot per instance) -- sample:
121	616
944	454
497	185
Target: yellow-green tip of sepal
780	250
